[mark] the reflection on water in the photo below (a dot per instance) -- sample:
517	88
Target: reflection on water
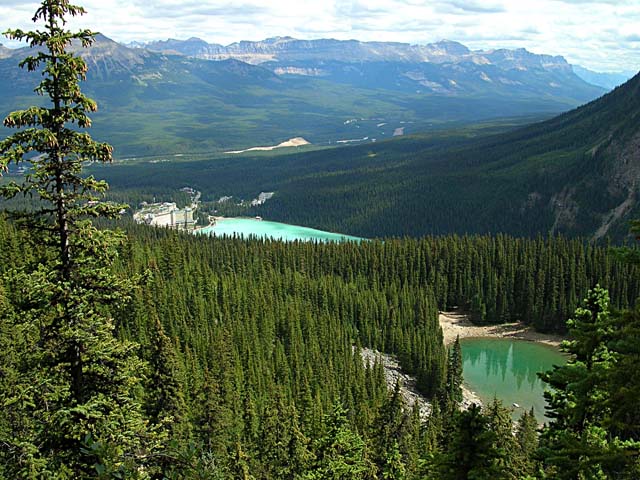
500	360
508	369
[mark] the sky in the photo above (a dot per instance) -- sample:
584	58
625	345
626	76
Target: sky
602	35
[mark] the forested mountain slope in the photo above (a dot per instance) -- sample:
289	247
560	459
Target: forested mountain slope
576	174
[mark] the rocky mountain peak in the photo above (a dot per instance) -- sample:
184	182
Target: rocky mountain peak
451	48
439	67
106	57
523	59
197	44
279	39
101	38
286	48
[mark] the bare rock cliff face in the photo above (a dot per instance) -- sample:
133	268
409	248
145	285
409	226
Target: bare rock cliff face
623	183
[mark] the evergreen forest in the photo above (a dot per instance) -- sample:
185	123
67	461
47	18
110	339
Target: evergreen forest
251	348
147	353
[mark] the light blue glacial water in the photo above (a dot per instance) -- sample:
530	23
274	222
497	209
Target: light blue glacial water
508	369
246	227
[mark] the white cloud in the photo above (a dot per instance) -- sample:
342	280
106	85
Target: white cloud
599	34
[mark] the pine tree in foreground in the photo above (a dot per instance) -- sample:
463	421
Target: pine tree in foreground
595	432
471	453
591	394
68	392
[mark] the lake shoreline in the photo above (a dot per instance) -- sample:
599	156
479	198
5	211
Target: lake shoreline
457	324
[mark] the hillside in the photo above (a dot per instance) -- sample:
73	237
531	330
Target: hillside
575	174
160	103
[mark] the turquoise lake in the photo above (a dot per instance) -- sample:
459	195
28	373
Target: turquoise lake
507	369
246	227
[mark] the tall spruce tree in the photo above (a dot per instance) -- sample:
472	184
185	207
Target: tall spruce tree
501	424
471	453
341	453
595	432
453	387
574	442
527	441
591	393
73	382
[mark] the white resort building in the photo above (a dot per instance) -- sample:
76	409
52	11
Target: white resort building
166	215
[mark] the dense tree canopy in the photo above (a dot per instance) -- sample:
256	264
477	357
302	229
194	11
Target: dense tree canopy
158	354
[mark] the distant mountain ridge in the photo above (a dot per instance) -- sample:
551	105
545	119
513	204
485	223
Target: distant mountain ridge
606	80
442	68
445	67
280	49
153	102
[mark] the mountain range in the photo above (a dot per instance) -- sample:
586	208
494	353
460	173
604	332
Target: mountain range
577	173
290	49
279	51
444	67
155	102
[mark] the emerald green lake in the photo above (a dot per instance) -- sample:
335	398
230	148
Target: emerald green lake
507	369
246	227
